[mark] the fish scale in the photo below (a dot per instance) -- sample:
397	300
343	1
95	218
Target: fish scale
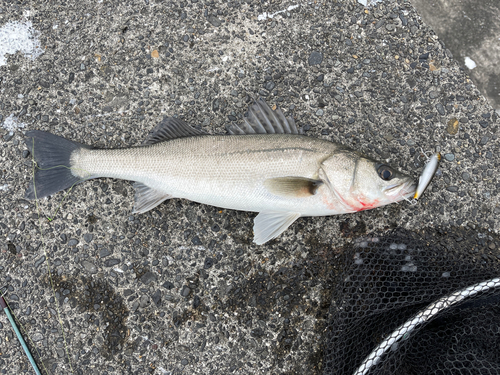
225	171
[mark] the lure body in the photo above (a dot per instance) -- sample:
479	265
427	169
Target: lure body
427	174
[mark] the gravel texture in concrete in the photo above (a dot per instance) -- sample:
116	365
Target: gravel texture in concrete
182	289
471	31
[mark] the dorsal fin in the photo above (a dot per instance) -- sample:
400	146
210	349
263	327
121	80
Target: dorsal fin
171	128
263	120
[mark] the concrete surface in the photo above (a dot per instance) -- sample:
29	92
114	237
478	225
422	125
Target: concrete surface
469	28
182	289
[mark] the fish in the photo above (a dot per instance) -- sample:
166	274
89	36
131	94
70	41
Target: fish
265	164
427	174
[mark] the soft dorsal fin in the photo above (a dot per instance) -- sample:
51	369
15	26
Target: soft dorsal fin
263	120
269	225
171	128
293	187
146	198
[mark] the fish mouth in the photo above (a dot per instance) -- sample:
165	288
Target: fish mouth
403	190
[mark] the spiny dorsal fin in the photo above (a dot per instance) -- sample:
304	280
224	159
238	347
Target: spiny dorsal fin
171	128
269	225
146	198
263	120
292	187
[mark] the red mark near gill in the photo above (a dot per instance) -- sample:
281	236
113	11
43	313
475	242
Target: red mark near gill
367	205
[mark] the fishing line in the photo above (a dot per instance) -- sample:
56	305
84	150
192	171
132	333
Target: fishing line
410	201
34	164
67	193
47	257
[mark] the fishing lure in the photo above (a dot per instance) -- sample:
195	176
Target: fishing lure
427	174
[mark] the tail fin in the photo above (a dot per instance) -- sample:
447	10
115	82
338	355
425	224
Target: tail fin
53	166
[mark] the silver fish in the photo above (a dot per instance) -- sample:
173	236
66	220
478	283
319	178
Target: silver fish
263	166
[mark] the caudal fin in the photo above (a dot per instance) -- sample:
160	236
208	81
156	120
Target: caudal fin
53	168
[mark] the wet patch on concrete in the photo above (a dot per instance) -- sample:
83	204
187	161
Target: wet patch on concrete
102	307
284	293
352	228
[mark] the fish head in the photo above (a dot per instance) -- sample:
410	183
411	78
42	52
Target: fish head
361	183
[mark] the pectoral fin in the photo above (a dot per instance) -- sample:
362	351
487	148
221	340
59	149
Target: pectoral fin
292	187
269	225
146	198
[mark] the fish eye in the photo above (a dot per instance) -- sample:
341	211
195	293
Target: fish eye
385	172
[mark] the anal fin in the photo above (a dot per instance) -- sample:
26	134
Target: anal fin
269	225
147	198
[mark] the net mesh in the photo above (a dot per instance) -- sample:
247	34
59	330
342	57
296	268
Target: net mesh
417	303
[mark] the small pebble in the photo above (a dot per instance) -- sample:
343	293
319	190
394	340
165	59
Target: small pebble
168	285
269	85
214	21
452	126
379	24
90	267
209	262
104	252
185	291
148	278
484	124
111	262
449	157
37	337
440	109
73	242
315	58
39	261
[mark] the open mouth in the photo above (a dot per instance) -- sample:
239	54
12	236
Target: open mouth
406	189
